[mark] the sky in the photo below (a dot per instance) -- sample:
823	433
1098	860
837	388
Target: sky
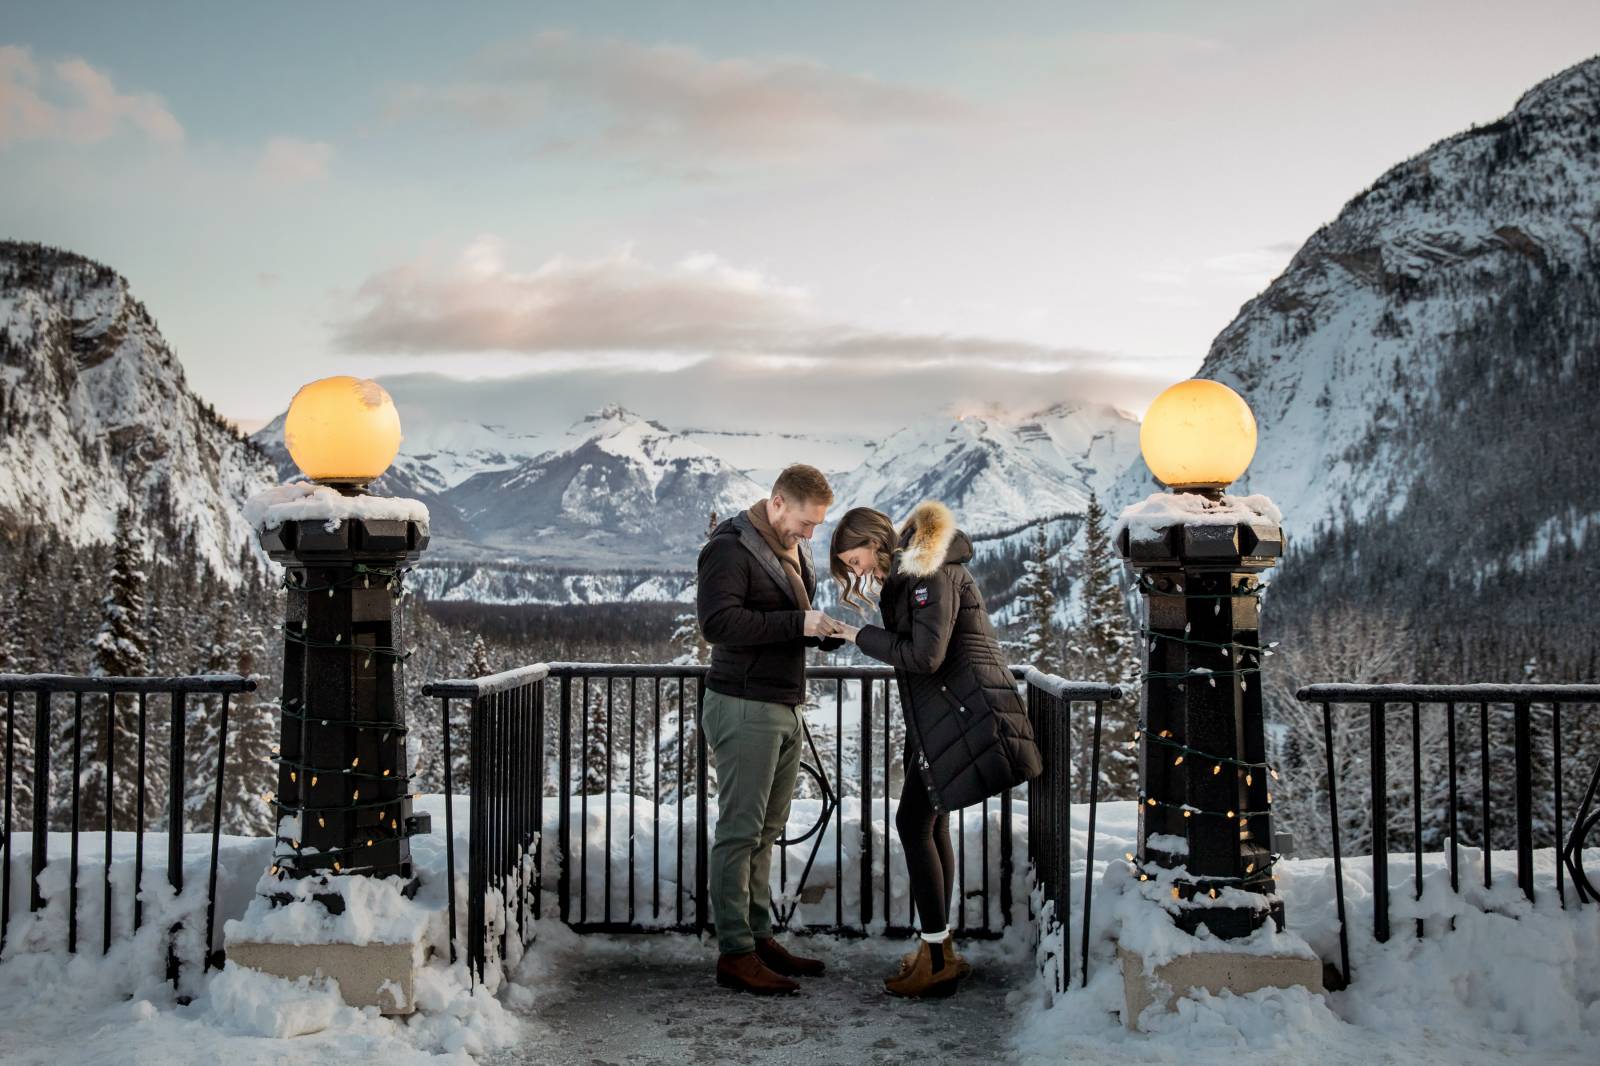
725	215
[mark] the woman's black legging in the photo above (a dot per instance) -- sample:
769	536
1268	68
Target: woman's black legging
931	861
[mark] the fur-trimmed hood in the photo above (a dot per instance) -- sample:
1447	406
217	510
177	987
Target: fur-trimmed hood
929	539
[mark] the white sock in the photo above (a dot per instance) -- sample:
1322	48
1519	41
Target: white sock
937	938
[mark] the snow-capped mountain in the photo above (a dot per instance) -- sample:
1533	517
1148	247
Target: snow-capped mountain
514	583
618	490
997	471
436	454
97	414
760	456
1427	359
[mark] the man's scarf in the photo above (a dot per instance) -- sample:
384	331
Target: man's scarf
789	557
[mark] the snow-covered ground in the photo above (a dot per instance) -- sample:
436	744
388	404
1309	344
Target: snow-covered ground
1509	981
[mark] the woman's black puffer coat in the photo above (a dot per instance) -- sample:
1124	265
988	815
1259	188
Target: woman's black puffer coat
966	725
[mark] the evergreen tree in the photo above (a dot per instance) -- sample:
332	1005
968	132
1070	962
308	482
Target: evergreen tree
689	648
1104	647
1041	641
16	719
251	738
688	643
119	649
478	664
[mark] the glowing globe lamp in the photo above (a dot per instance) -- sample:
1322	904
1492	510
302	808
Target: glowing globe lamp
1198	436
342	431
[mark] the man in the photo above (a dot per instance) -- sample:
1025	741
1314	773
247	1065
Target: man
756	582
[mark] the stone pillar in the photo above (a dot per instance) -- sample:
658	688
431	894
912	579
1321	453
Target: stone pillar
343	801
342	763
1205	792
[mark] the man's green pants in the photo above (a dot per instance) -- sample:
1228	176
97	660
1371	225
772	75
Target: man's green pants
756	749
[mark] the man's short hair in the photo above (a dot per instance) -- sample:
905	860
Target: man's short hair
801	484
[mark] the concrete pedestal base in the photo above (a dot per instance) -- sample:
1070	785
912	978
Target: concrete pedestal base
369	975
1212	971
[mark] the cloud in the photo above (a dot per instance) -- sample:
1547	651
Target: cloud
619	303
292	161
700	306
1256	266
735	393
72	101
670	102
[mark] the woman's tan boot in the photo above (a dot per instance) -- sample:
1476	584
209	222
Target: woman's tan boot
932	974
963	967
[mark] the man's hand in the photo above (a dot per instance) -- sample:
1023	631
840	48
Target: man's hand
818	624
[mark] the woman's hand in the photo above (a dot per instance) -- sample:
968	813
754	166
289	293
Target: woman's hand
845	631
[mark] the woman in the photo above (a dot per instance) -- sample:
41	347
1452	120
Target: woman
967	731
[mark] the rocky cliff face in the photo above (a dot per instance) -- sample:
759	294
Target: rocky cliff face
97	416
1426	377
1431	351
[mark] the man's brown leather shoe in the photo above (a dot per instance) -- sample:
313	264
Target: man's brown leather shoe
747	973
779	960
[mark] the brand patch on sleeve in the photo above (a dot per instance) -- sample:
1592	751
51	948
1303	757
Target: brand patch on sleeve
921	594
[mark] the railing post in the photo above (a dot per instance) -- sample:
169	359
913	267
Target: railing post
175	790
538	799
1523	729
564	800
1333	817
1088	854
7	846
1380	821
477	843
865	766
449	823
702	876
1006	860
41	798
216	835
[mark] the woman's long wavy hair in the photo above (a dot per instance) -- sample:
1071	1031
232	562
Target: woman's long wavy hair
861	527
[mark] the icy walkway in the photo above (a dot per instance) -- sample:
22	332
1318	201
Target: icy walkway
632	1001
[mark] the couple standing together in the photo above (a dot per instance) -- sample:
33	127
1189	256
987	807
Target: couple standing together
967	732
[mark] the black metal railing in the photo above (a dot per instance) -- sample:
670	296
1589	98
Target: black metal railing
507	784
606	708
1051	701
97	725
624	761
1524	704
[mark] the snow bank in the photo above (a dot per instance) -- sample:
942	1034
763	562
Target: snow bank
1509	979
300	501
377	912
50	1000
1161	510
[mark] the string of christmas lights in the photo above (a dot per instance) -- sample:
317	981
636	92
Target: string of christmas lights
1227	647
1190	810
1242	588
1164	738
1255	873
338	644
337	771
351	723
1198	673
391	578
